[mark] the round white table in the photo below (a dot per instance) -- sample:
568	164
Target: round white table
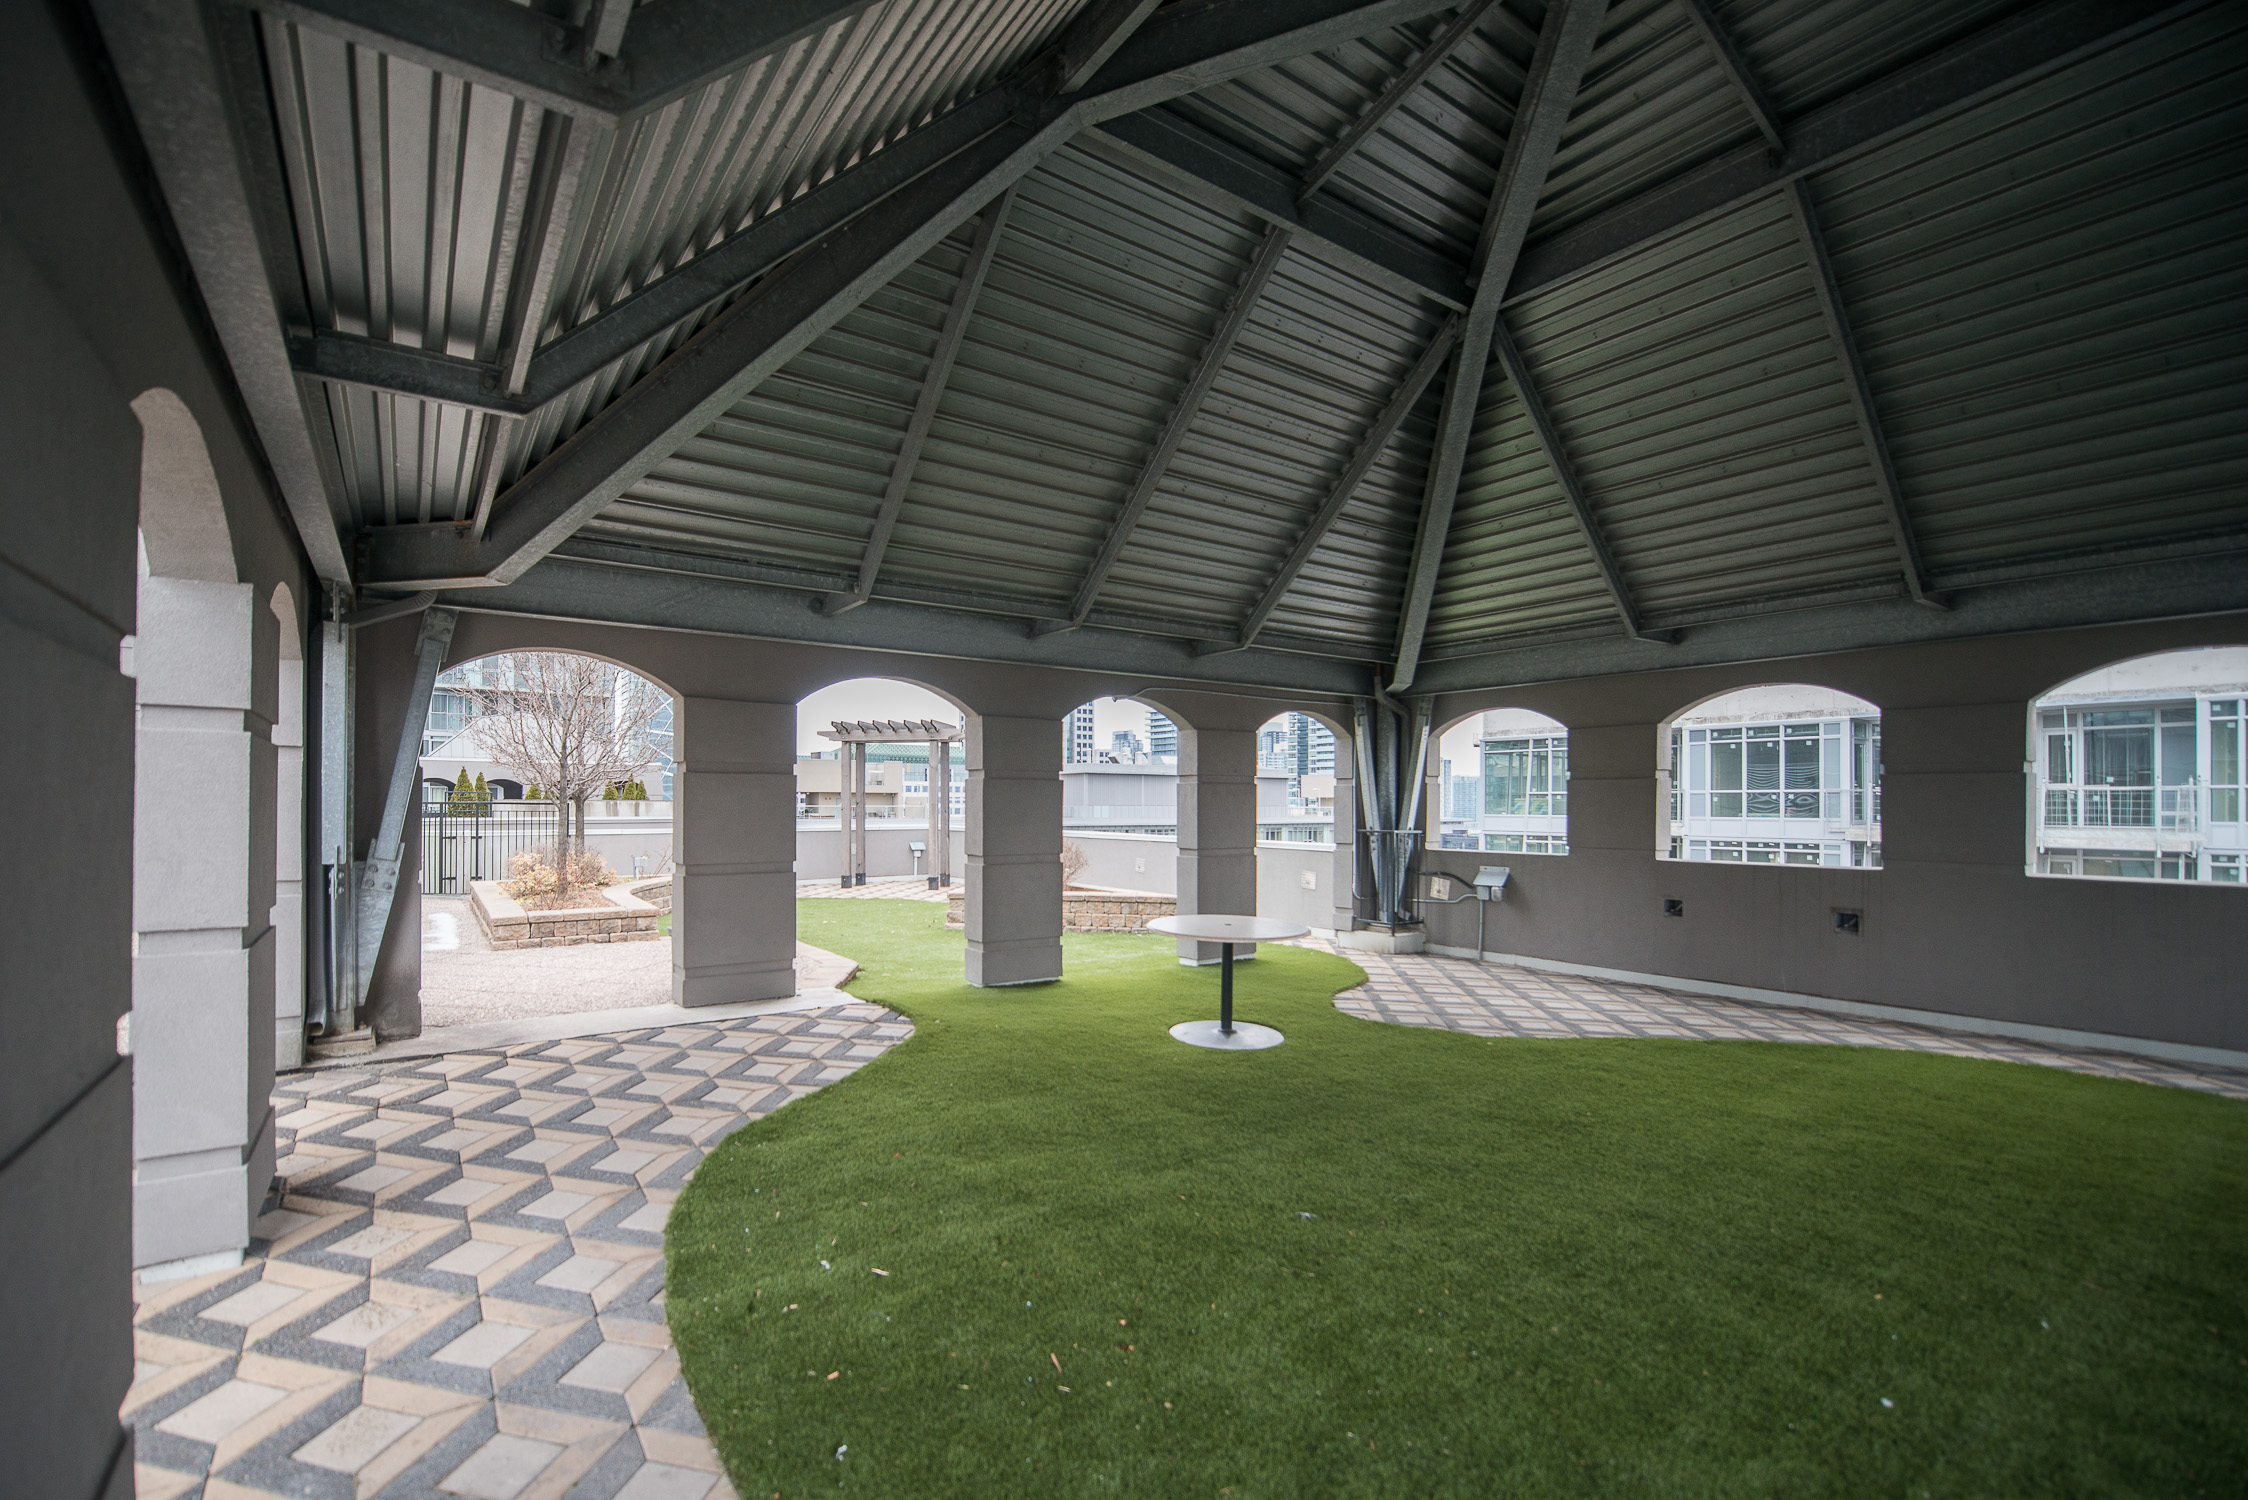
1225	930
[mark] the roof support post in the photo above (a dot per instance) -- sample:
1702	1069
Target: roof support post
1401	404
1861	392
377	885
1231	323
1565	45
1565	473
1735	68
1385	104
925	408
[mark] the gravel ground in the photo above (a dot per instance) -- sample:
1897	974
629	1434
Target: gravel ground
464	980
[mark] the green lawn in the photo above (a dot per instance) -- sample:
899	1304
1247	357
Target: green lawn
1381	1260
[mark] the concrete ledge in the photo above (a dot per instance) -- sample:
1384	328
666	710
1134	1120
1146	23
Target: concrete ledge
622	917
1089	911
656	892
2056	1036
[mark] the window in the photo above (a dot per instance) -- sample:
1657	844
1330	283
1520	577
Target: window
1524	806
1787	775
2138	770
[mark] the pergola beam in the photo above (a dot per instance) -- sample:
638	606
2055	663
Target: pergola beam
1337	499
1565	474
1736	71
1854	379
1231	323
1385	104
1565	43
949	339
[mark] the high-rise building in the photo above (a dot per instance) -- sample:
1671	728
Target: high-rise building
1125	746
1077	736
1311	746
1162	737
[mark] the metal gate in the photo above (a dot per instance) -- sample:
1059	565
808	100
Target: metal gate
465	842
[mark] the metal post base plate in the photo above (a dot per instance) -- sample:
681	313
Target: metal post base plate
1245	1037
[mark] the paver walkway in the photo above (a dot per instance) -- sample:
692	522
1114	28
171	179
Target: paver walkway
903	889
1503	1000
461	1292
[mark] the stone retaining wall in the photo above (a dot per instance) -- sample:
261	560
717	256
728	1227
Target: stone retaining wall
656	892
1090	911
621	918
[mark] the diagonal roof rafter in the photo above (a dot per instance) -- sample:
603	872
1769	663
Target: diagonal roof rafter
1736	70
1385	104
1862	407
1232	321
949	339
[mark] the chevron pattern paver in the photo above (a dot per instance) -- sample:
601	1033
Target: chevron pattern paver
1506	1000
461	1290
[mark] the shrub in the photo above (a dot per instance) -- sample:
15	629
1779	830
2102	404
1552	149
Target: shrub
536	884
1074	861
481	795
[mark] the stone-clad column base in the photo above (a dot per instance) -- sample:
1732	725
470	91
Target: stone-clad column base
1013	905
734	832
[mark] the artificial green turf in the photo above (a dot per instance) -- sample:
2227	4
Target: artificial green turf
1394	1261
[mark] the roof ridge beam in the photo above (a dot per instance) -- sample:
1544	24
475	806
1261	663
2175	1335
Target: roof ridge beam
1385	104
1862	406
1401	403
1565	43
949	339
1232	321
1736	70
1565	474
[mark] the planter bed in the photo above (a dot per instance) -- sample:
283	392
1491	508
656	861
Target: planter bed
1090	910
620	917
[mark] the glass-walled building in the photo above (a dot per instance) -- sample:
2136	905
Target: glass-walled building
2139	771
1786	775
1525	783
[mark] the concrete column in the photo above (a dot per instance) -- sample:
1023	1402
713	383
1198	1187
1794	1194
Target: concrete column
288	866
1344	879
1013	904
203	897
1217	831
733	935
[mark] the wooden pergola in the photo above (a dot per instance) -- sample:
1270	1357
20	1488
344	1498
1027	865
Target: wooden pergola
853	736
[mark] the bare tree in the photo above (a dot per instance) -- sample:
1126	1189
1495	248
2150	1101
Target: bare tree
570	724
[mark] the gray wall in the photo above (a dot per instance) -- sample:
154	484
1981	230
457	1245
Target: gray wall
91	315
1128	861
819	851
1281	892
1952	924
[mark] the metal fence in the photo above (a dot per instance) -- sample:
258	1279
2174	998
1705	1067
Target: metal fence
465	842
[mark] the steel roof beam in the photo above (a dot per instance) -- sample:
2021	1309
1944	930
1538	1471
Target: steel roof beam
1861	390
1232	321
1565	474
788	308
1401	404
1735	68
1385	104
1565	43
2001	57
955	329
1093	39
402	370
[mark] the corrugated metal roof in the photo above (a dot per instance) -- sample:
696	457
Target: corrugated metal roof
1704	406
409	190
2053	303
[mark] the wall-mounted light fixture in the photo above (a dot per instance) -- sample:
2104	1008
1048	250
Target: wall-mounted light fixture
1673	907
1846	922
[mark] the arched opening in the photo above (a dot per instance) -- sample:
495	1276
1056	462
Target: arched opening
1295	780
546	824
1783	774
1120	805
1517	794
2136	771
289	974
881	787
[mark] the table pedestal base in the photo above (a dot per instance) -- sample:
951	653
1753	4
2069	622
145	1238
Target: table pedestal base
1244	1037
